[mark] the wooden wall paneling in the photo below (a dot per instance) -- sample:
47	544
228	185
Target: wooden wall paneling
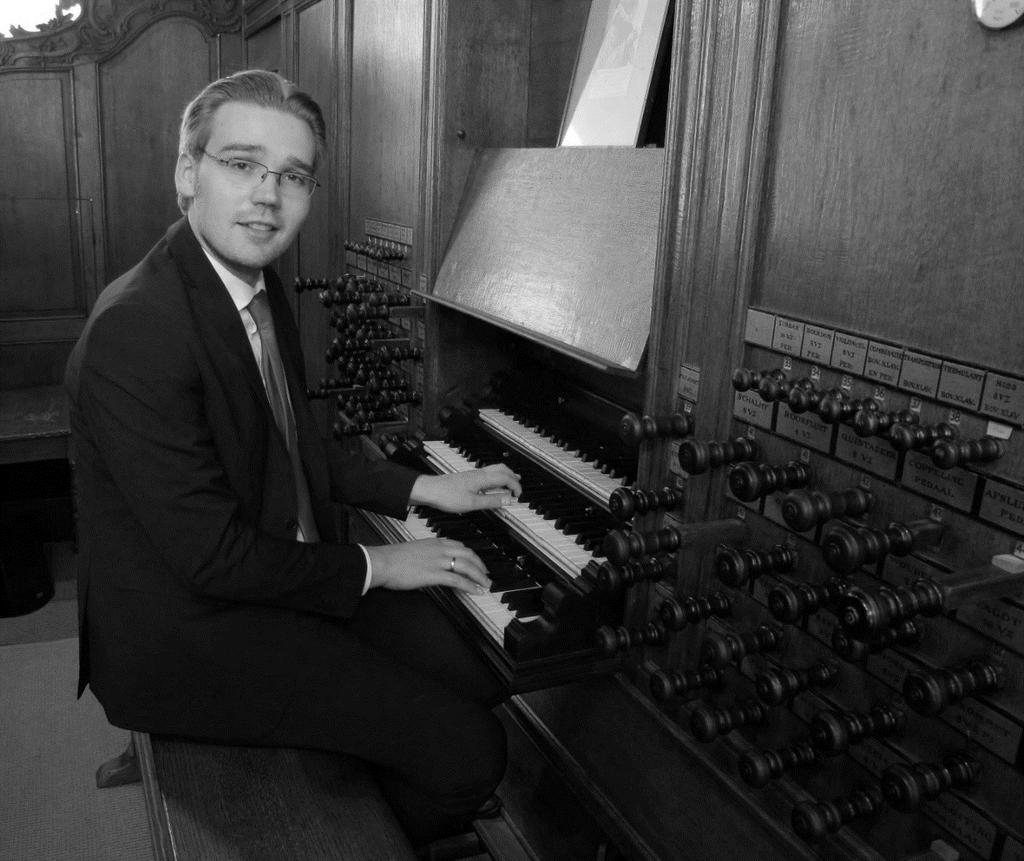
479	74
556	30
911	201
143	91
316	69
263	47
89	160
43	229
228	55
387	82
37	174
493	76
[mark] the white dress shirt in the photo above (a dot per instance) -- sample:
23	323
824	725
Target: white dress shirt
242	294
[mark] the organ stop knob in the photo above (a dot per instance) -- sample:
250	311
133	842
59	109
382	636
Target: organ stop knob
845	549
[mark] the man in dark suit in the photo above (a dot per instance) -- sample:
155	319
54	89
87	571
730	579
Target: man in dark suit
215	599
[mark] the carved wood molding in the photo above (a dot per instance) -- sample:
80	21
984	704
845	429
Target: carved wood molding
106	26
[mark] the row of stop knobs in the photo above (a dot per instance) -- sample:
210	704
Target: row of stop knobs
844	548
940	441
902	786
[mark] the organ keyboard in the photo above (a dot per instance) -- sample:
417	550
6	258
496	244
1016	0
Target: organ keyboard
538	622
558	548
580	472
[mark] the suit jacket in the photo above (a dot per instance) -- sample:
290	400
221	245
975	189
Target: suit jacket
195	601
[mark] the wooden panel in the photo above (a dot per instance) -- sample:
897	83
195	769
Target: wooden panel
34	424
263	48
215	801
316	72
482	69
911	201
39	223
558	245
555	33
140	109
387	80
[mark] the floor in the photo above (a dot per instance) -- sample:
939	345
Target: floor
51	743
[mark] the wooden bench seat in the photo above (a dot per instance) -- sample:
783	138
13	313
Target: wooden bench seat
34	424
209	801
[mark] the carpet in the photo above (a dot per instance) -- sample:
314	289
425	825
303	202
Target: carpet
50	747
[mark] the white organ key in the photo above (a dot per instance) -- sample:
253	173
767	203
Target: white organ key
488	609
582	474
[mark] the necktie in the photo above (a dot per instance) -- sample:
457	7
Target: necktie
277	393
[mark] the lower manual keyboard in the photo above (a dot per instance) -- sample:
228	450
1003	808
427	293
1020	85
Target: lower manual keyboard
514	593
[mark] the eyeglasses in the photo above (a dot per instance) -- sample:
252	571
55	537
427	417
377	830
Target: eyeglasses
249	174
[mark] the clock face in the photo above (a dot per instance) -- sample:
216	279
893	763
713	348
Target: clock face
998	13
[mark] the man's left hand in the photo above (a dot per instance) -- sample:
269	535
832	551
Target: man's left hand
472	490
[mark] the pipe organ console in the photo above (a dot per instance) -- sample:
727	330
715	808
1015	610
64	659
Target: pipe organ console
764	591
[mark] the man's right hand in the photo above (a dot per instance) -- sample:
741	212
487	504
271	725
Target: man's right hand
427	562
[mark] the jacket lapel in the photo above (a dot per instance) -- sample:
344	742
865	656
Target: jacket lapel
216	315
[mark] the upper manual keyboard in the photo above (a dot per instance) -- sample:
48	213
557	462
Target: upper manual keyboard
574	467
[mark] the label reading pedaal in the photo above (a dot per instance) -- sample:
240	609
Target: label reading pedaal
920	374
789	335
749	407
760	327
849	353
952	487
868	453
883	363
1003	506
1004	398
817	345
960	385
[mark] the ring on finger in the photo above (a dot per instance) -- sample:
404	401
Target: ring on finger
451	565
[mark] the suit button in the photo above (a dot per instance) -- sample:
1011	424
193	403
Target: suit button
291	525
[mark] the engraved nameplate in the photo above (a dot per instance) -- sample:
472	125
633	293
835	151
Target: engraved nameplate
760	327
817	346
891	667
883	363
874	755
751	408
987	727
961	385
849	353
688	384
963	822
789	336
808	430
1000	620
920	374
1004	398
1003	506
953	487
870	454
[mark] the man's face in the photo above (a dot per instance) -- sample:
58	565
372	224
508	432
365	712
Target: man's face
247	226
